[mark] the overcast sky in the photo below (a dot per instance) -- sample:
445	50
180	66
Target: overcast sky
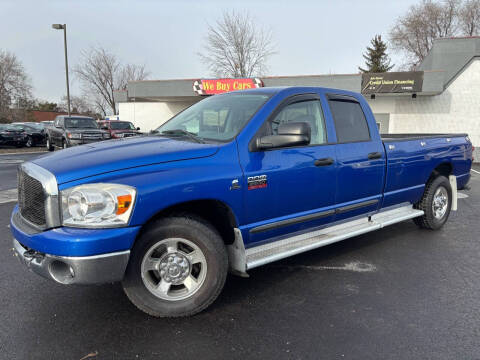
311	37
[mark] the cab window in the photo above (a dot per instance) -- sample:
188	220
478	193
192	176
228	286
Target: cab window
309	111
350	122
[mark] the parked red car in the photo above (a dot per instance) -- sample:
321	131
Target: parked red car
119	129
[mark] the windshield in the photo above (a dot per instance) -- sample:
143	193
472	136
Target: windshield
10	127
35	126
122	125
73	123
219	117
23	127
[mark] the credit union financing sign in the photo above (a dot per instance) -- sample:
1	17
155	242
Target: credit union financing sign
392	82
218	86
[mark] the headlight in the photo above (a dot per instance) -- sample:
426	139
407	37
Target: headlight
97	205
74	135
106	136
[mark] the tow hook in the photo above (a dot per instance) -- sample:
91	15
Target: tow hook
31	255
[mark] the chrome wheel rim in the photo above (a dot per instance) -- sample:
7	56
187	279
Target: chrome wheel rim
174	269
440	203
29	142
48	143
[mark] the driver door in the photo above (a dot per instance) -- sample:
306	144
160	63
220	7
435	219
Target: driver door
57	132
290	189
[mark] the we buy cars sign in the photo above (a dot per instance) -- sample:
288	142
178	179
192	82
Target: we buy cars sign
219	86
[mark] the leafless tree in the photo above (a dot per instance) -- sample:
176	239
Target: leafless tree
15	87
78	104
237	47
415	32
469	18
101	72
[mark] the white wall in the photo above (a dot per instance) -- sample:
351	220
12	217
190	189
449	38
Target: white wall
150	115
456	110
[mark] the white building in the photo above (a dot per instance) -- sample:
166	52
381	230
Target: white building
448	100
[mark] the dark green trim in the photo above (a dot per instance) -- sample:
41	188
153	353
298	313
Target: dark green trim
356	206
293	221
310	217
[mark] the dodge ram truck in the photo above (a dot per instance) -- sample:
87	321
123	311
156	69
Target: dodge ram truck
235	181
69	131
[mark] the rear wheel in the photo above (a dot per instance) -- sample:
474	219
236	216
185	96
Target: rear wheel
435	203
177	267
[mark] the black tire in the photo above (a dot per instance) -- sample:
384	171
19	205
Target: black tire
64	144
49	145
206	238
428	220
29	142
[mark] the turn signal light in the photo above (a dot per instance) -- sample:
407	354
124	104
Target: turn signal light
124	202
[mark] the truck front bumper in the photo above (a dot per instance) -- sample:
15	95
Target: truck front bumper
94	269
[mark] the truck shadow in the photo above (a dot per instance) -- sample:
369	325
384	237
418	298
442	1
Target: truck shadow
102	318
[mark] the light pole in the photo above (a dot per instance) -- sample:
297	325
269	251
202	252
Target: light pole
64	28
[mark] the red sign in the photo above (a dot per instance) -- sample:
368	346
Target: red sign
218	86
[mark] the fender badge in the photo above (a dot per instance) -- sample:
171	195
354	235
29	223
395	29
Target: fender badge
257	182
235	185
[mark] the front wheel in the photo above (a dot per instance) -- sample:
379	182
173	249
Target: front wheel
177	267
29	142
49	145
435	203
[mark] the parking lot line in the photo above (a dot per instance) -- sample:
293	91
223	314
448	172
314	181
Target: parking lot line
7	196
23	153
475	171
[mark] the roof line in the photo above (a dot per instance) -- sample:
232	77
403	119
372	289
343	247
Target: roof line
460	71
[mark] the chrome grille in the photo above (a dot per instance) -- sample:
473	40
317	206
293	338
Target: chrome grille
31	199
91	136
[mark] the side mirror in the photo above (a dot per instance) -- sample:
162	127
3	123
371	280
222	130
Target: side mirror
289	134
104	128
138	128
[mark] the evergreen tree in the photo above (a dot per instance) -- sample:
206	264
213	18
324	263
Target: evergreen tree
376	58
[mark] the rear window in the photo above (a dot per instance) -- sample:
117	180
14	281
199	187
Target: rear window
350	122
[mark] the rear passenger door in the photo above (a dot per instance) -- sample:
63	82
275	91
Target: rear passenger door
360	157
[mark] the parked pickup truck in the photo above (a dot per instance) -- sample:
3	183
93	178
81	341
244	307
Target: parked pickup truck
68	131
236	181
119	129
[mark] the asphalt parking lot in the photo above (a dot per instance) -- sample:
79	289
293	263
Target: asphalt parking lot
398	293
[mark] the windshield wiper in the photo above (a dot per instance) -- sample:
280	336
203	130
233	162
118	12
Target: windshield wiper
185	133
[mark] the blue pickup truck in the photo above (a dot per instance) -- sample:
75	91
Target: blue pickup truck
233	182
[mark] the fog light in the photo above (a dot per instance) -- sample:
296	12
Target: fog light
61	272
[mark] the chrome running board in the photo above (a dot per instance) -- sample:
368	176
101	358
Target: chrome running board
242	260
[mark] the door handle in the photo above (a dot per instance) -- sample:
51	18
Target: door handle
375	155
323	162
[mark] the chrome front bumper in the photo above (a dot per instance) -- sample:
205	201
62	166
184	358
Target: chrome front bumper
95	269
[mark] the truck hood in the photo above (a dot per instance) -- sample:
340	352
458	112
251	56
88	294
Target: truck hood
94	159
